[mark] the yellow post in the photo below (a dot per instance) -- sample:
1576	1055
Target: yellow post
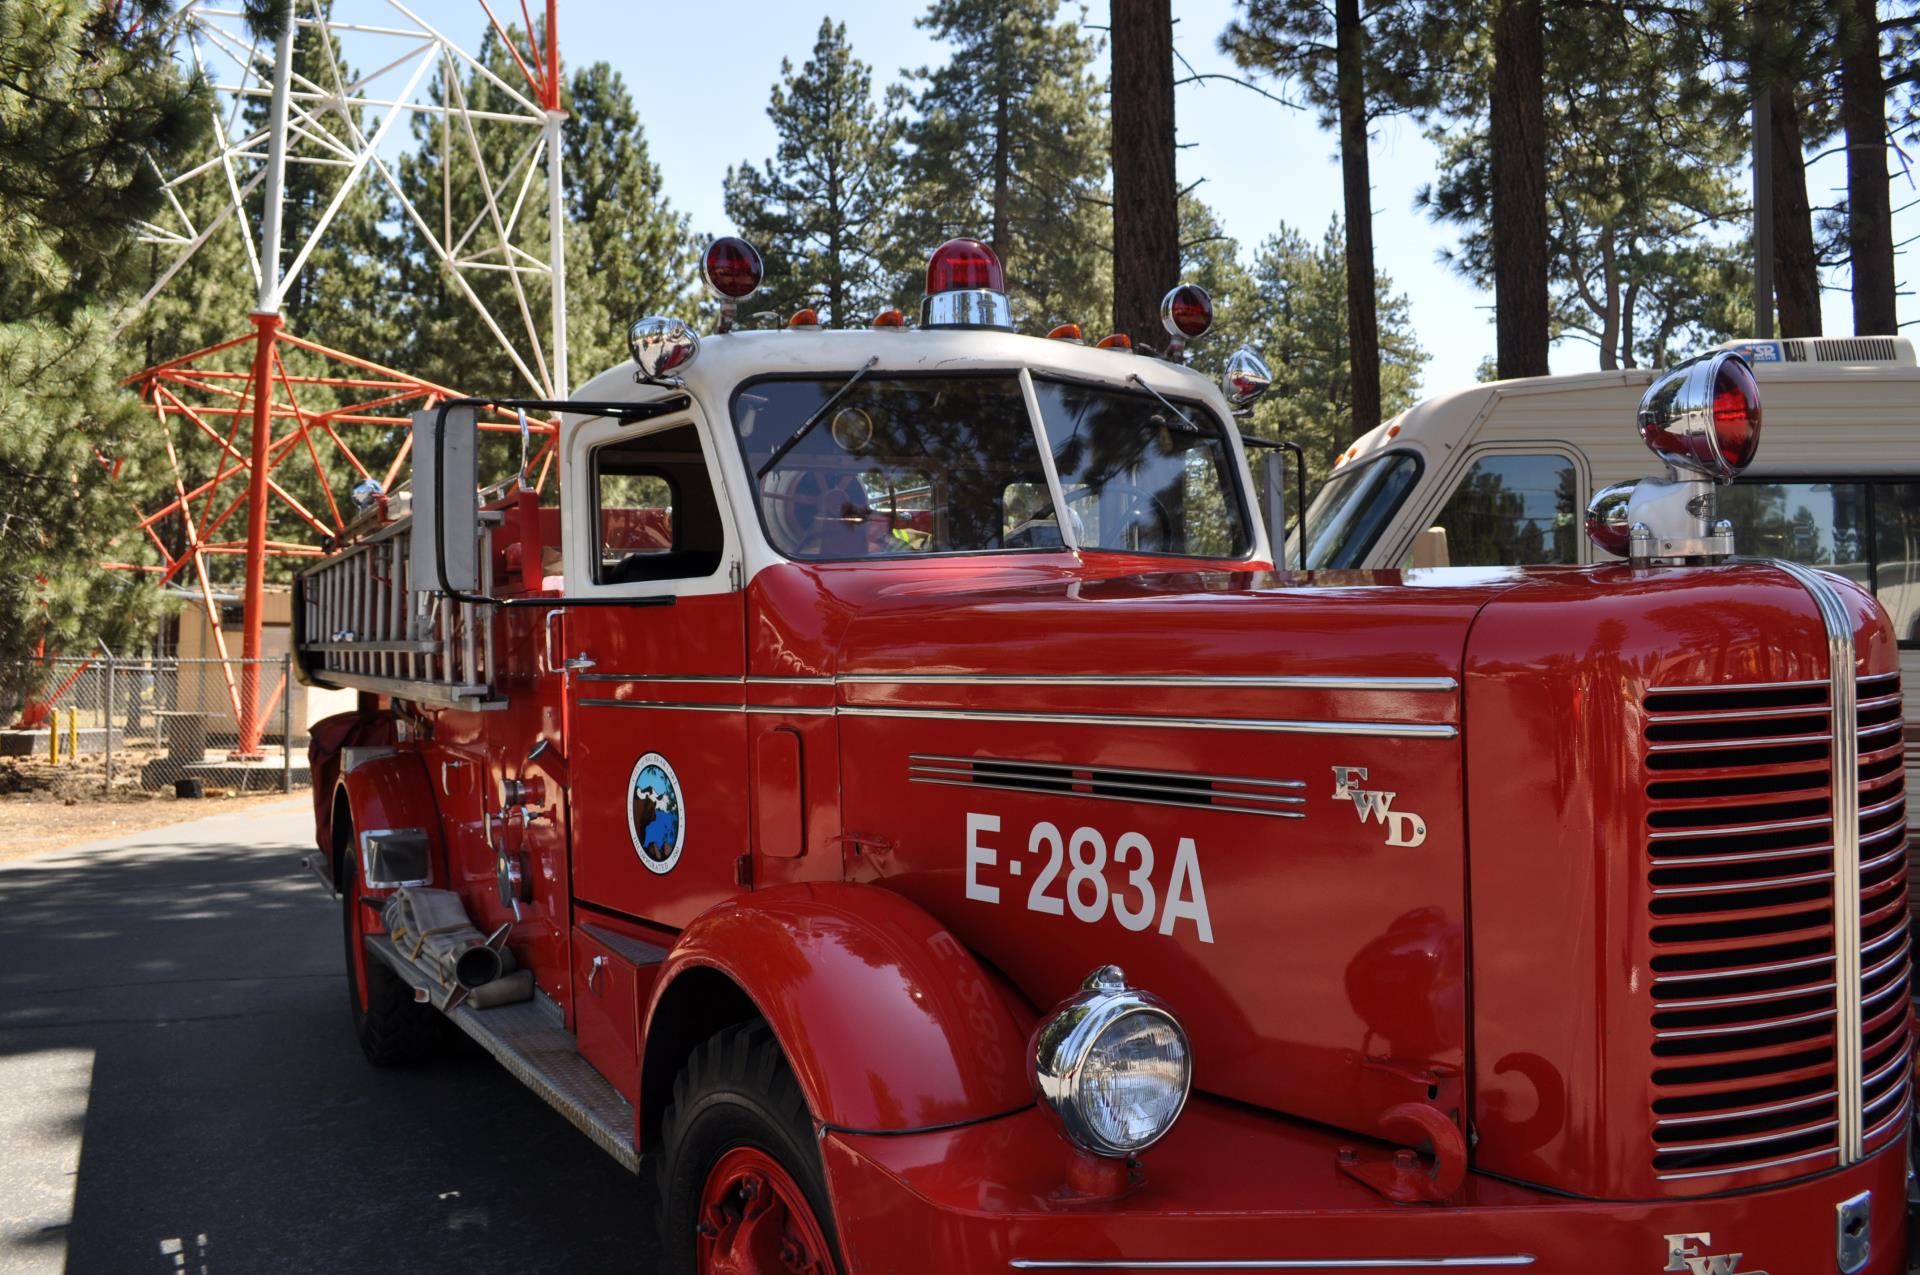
73	736
53	738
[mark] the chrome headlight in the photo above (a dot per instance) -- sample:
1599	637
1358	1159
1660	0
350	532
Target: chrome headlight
1112	1065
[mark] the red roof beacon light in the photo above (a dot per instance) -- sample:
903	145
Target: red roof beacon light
733	270
1704	417
1186	313
965	288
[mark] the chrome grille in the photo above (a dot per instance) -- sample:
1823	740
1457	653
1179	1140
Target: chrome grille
1748	1004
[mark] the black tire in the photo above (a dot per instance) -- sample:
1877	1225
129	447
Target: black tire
736	1090
393	1029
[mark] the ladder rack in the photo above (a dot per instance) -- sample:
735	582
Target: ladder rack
364	626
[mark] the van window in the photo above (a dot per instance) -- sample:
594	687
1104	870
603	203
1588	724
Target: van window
1868	532
1514	509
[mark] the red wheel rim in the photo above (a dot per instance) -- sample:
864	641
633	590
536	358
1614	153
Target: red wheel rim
755	1220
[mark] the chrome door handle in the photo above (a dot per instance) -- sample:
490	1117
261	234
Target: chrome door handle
596	973
578	663
547	636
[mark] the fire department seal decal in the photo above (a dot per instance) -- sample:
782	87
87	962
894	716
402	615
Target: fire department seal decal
655	818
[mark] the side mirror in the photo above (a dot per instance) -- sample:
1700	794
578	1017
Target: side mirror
446	501
1245	379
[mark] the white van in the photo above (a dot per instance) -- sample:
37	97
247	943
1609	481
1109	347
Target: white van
1500	474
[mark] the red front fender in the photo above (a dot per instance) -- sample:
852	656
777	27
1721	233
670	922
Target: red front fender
395	791
890	1024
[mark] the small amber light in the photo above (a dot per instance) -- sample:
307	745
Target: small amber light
1393	431
807	318
1067	332
889	319
1118	341
1353	451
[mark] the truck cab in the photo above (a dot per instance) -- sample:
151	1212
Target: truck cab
890	799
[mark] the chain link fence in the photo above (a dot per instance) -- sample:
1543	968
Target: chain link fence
109	726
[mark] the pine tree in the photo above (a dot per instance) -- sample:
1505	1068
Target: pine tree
821	208
1299	315
1356	64
1009	144
1863	111
1640	173
87	92
628	252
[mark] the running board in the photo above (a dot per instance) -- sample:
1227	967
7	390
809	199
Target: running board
531	1040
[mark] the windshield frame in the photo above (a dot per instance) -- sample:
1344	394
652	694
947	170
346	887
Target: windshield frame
1232	459
836	377
1024	374
1298	543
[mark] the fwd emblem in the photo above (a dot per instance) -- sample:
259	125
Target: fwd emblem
1682	1255
1404	828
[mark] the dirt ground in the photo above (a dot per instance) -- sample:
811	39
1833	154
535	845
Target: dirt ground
44	809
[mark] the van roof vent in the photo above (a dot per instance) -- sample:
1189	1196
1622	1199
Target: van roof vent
1896	350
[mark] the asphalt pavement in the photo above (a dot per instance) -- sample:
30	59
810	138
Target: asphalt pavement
180	1090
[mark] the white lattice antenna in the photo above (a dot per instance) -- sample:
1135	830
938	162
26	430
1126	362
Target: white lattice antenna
406	49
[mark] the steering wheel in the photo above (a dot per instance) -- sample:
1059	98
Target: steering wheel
1139	505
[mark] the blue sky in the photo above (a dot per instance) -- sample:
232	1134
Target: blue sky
701	87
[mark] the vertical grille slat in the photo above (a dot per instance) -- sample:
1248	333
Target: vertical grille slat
1776	918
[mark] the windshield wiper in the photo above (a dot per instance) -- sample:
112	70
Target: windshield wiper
1191	427
793	440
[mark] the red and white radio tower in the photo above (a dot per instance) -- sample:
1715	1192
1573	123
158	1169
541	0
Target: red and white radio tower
205	392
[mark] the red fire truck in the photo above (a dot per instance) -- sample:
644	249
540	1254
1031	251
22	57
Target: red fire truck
892	803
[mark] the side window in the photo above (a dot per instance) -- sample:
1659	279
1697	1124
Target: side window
1817	524
655	516
1514	509
1896	551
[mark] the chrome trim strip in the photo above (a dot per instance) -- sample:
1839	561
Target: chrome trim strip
1266	725
1898	1117
1742	971
780	709
1116	770
1703	744
1181	681
1390	730
1105	796
1736	686
1724	1170
1772	1135
1841	675
1274	1263
1739	1029
1751	998
1751	856
1049	783
1658	718
1757	883
1726	829
1745	1113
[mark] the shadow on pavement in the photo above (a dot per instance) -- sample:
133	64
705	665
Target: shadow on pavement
176	1006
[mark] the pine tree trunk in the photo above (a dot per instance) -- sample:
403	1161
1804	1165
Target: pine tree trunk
1796	263
1146	204
1863	109
1363	324
1519	134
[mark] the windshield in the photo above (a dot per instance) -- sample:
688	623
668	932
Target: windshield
1140	479
1351	510
899	466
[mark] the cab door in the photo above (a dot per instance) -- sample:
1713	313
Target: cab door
657	755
